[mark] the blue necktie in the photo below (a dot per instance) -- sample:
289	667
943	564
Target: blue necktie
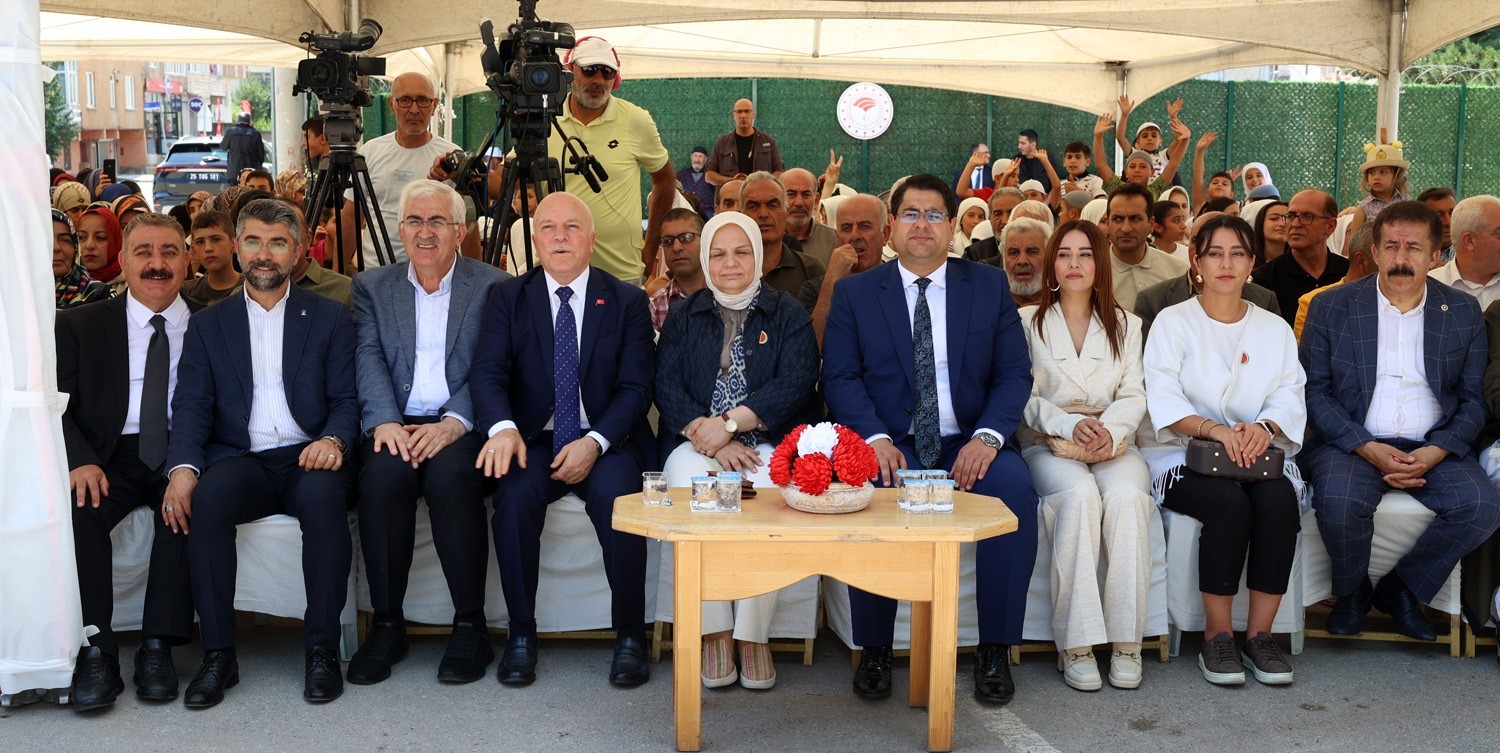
929	440
565	416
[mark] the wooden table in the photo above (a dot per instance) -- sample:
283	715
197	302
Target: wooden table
767	546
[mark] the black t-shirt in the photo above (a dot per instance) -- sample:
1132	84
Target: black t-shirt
744	152
1289	281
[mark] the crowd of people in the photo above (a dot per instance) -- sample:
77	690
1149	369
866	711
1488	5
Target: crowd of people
1070	342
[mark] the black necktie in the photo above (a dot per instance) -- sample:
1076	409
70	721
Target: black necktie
153	445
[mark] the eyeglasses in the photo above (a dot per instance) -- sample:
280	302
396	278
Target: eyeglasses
254	245
602	71
1306	218
435	224
421	102
933	216
683	238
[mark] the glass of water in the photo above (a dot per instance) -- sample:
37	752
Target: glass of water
903	494
654	488
935	475
705	494
919	496
940	495
729	491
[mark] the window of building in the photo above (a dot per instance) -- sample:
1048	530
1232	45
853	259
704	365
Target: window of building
69	75
113	104
88	89
130	92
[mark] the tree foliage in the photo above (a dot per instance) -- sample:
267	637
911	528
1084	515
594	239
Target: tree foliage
1475	59
61	127
255	91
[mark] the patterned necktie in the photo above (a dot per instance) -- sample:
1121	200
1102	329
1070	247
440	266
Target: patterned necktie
565	417
929	441
153	436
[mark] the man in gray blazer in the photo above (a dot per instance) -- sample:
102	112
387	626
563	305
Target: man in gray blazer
416	325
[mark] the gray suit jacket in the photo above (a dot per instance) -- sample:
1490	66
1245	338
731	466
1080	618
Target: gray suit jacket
386	340
1171	292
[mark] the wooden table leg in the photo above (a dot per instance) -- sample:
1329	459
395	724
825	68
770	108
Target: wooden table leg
943	646
687	642
921	660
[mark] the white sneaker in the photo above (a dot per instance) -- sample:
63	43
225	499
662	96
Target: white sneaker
1125	666
1079	670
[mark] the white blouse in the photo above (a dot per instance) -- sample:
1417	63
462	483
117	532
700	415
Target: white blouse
1091	376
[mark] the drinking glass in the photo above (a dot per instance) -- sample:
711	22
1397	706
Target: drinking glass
903	495
940	495
729	491
654	488
705	494
920	496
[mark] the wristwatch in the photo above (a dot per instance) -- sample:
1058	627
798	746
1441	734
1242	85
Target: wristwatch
336	442
730	425
989	440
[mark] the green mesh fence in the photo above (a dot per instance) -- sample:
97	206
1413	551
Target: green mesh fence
1450	132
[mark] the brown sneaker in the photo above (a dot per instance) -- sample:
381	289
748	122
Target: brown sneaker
1264	658
1219	662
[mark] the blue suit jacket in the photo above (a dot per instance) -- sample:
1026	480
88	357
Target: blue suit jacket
385	315
986	177
869	371
215	378
512	375
1338	351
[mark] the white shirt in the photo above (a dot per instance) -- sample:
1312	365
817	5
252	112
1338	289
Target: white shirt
139	331
579	287
1487	293
271	421
429	379
1228	337
1402	405
392	166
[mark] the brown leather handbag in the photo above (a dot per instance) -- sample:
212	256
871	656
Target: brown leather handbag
1210	458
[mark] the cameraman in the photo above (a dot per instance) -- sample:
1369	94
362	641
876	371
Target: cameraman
406	154
624	139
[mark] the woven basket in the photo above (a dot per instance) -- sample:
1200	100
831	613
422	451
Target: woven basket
839	498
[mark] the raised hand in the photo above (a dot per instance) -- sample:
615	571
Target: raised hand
1206	139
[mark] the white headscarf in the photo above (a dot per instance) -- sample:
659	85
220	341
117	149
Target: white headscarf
960	240
1265	173
1094	211
831	209
741	300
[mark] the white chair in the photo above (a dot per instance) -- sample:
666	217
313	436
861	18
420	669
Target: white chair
1185	601
572	590
795	618
1399	521
268	580
836	610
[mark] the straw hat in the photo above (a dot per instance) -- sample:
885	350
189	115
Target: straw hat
1384	155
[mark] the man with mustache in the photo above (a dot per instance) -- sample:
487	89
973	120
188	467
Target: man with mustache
117	360
1002	201
1137	265
863	230
1023	243
763	198
1311	217
681	242
263	416
816	239
1395	363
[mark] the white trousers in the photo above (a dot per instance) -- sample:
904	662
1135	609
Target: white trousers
1097	517
750	619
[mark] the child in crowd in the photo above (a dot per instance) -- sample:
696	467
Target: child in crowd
1076	156
1383	179
1148	137
1169	226
1139	167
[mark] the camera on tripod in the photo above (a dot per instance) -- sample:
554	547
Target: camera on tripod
525	72
336	76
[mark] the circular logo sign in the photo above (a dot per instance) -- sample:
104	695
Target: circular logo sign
195	104
865	110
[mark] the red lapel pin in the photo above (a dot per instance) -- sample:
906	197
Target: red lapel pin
598	301
1244	358
763	337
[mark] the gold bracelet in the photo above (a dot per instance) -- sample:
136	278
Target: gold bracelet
1199	432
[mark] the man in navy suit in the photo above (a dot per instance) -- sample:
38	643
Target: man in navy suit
263	414
927	360
417	324
561	385
977	172
1394	368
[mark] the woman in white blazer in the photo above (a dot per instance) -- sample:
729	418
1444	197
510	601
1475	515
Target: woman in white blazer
1087	400
1220	369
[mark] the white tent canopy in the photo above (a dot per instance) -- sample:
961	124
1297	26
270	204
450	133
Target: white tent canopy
1080	53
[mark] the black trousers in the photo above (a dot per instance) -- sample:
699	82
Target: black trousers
454	491
1260	518
249	487
169	603
521	501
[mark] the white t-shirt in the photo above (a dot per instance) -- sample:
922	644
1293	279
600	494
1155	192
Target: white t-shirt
392	166
1227	336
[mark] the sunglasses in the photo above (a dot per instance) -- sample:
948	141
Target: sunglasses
602	71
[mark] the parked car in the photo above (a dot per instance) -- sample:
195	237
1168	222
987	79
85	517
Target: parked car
196	163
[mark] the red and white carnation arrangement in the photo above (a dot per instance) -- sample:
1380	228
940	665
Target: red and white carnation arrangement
813	457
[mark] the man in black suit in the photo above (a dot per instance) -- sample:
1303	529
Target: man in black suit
561	384
117	362
262	421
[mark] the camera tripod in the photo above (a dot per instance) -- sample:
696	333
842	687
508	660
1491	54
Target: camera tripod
532	167
344	167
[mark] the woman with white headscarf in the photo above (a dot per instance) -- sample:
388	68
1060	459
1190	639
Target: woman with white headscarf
829	209
736	368
1255	175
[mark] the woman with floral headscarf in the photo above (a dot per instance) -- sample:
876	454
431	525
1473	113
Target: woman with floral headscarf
73	284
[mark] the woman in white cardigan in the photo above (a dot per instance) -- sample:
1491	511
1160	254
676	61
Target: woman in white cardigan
1087	400
1223	370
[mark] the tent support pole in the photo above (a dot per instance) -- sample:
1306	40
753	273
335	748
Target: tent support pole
1228	123
864	165
989	119
1458	147
450	83
1389	116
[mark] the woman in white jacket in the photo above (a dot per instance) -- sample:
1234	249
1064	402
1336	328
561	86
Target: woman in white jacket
1220	369
1087	400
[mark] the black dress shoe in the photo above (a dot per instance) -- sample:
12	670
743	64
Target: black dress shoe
155	675
631	665
872	679
384	646
1395	599
518	666
219	672
325	680
1348	614
468	655
96	680
992	680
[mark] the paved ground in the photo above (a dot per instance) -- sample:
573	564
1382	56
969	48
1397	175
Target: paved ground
1348	697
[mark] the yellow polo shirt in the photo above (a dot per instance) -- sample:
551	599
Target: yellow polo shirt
625	141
